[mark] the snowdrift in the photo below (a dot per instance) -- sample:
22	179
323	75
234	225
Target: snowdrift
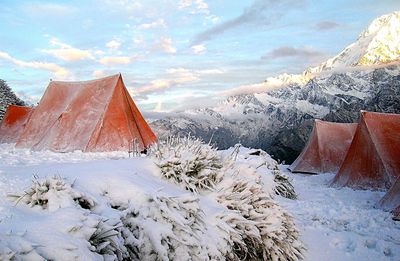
116	208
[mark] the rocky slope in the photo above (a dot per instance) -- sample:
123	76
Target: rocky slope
7	97
364	76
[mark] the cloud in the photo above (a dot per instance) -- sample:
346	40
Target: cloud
46	9
326	25
113	44
113	60
126	5
138	40
165	44
158	107
66	52
198	49
246	89
287	51
27	98
262	12
199	6
174	77
56	69
98	73
159	23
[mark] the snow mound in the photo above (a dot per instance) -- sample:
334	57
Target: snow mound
188	161
104	209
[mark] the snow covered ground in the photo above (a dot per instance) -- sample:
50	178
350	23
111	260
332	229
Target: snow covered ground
341	224
334	224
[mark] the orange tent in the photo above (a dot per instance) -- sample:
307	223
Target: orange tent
391	200
14	123
326	148
97	115
373	159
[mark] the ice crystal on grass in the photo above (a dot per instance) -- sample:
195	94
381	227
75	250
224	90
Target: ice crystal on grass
167	228
283	185
265	165
189	162
267	231
108	241
52	193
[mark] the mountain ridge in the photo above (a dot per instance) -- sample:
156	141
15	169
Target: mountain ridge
279	121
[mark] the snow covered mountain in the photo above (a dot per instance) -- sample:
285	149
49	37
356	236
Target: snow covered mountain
364	76
7	97
378	44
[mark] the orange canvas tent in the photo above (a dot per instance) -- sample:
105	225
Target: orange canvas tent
14	122
373	159
326	148
97	115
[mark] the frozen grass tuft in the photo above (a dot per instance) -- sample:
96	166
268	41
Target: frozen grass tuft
267	231
166	228
52	193
108	242
189	162
283	185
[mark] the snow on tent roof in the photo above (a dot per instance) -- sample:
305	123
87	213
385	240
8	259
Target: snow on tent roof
373	159
14	123
96	115
326	148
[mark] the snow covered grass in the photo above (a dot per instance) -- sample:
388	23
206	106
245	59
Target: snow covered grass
188	161
132	211
52	193
106	206
341	224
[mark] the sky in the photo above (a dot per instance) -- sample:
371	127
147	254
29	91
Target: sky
174	55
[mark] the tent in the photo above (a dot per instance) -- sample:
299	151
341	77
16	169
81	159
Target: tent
13	123
96	115
391	200
326	148
373	159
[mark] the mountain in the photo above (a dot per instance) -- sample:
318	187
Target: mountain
378	44
364	76
7	97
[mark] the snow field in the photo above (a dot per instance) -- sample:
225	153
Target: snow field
130	211
341	224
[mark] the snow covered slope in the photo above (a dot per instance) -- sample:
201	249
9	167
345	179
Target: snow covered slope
105	206
106	202
342	224
365	76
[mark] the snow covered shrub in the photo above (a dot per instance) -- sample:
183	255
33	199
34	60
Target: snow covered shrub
167	228
265	165
283	186
243	236
52	193
266	229
108	242
188	161
15	247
